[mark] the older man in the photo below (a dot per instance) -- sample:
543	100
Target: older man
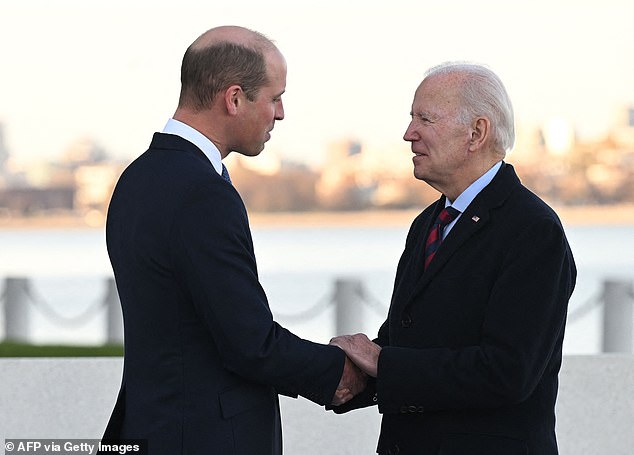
468	358
204	359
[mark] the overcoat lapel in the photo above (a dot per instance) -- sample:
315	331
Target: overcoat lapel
412	268
465	227
420	258
417	262
475	217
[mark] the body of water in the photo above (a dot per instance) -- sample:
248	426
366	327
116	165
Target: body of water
298	267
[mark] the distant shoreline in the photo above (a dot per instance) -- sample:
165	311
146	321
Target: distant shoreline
572	216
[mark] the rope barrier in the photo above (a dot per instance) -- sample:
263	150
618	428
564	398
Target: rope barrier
309	313
318	308
583	309
377	306
69	321
577	314
372	302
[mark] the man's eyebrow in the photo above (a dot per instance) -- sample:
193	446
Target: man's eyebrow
423	113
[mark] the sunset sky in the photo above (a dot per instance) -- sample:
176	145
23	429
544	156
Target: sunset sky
109	71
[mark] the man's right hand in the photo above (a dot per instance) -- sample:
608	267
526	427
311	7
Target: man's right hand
352	382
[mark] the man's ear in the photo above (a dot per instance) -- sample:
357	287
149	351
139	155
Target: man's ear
480	132
233	98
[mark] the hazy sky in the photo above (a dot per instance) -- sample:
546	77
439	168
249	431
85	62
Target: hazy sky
109	70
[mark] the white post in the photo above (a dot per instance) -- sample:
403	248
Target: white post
617	316
348	306
16	310
114	315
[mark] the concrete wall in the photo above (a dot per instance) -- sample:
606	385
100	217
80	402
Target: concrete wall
71	398
595	410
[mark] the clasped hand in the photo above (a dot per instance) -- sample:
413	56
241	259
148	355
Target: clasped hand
362	356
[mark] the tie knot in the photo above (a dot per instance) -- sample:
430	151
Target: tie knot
447	215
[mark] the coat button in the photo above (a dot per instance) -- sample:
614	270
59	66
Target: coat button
406	321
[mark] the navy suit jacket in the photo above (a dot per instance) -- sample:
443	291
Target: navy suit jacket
204	359
472	347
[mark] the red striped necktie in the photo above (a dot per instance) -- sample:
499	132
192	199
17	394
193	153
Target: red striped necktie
434	239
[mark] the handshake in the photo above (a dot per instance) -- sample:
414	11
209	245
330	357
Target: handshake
362	357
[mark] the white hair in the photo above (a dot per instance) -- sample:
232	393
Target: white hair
483	94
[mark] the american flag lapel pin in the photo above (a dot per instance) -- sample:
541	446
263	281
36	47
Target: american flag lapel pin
475	218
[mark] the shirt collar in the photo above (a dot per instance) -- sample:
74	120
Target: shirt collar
194	136
462	202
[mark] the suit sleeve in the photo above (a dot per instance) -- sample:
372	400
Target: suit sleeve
213	253
523	323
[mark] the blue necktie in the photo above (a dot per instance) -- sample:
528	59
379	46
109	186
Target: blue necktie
225	174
